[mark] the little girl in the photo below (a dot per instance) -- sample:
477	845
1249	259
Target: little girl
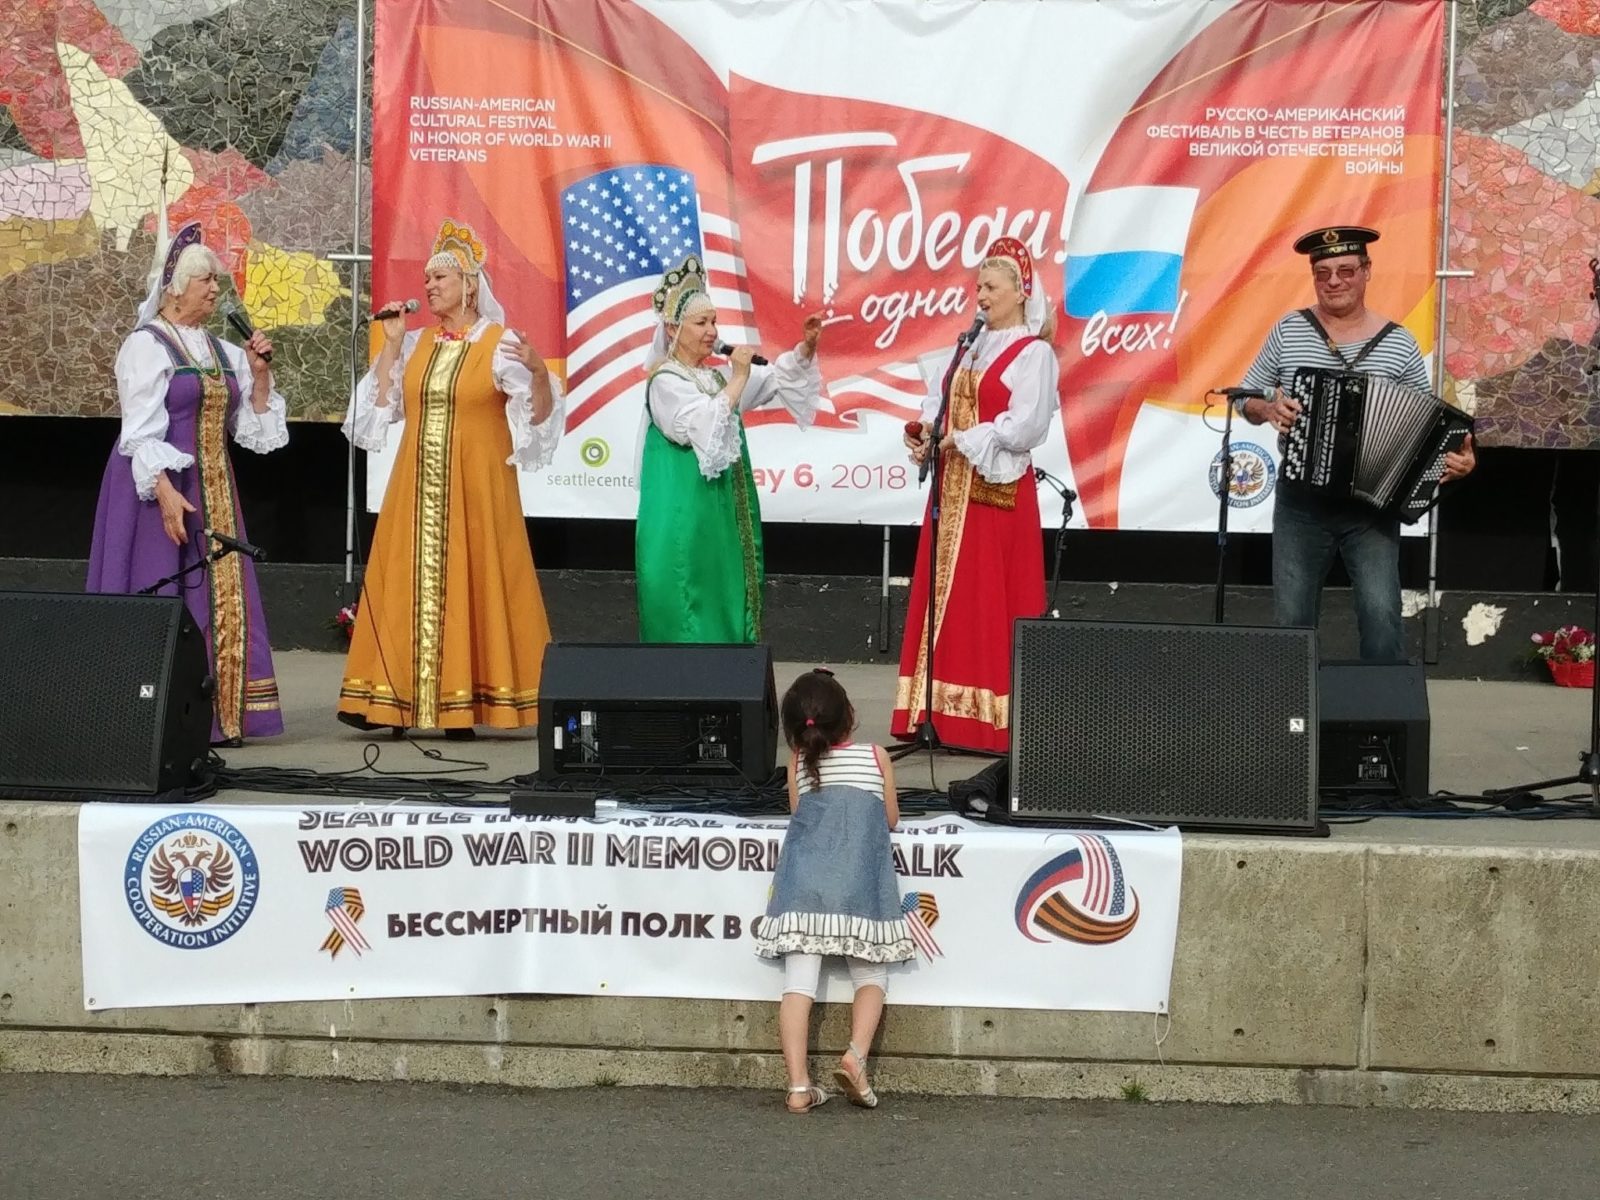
834	891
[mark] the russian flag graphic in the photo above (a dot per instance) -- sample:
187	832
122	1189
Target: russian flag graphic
1125	250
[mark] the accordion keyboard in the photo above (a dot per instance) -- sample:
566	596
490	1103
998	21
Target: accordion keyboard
1368	438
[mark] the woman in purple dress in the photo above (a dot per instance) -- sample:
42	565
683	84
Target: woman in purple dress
182	393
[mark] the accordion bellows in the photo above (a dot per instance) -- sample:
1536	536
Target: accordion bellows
1371	439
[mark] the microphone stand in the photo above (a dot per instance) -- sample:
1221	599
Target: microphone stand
926	736
1588	774
1224	492
204	561
1067	497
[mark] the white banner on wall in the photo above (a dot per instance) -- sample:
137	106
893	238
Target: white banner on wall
250	904
1159	160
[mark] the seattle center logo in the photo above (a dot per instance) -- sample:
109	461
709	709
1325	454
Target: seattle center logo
191	881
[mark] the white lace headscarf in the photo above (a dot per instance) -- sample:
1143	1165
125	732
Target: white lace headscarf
176	264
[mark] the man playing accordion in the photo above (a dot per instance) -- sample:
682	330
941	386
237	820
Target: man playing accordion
1339	333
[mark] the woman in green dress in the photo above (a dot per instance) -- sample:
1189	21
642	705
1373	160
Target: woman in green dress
698	542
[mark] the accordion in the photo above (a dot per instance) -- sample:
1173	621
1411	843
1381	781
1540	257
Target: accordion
1371	439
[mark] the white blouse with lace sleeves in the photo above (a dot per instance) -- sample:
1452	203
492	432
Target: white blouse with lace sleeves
793	380
144	370
999	450
532	445
366	424
258	432
690	407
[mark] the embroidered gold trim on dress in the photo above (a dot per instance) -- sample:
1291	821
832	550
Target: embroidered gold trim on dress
481	696
747	538
955	700
956	476
229	616
432	531
994	495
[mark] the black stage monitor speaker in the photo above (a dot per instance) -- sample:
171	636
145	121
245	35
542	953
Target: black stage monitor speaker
1374	736
1204	726
101	697
679	714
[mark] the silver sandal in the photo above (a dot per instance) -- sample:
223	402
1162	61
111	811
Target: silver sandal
814	1097
854	1085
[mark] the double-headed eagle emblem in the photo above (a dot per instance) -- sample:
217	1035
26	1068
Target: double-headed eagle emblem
194	883
1249	474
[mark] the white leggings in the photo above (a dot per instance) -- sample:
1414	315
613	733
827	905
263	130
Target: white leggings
802	971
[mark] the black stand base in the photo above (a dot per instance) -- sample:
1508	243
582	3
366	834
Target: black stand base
926	738
1588	776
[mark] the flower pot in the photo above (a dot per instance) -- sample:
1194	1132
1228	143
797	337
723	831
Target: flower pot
1571	674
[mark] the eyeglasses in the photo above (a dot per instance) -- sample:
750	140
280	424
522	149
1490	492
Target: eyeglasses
822	671
1345	274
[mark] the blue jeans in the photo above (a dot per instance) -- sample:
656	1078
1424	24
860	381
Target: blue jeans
1307	532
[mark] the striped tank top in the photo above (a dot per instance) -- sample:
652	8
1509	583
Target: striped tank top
852	765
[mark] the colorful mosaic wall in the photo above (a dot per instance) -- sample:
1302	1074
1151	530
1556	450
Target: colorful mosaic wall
247	107
251	108
1525	197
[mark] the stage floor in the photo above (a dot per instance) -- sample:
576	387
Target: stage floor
1484	734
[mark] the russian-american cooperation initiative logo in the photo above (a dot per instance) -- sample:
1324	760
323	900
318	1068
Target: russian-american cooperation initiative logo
1251	474
1079	896
191	880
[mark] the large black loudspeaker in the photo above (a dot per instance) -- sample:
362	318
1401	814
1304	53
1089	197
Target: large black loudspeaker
1375	725
101	697
680	714
1205	726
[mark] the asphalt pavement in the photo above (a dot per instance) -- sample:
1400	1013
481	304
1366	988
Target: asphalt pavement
88	1137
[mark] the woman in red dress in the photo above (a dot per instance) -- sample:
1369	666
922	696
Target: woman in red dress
990	556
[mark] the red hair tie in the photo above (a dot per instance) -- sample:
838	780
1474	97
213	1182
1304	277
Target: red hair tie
810	722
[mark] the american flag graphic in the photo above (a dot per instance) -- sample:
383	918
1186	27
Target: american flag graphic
894	388
922	913
1081	895
621	229
344	909
1103	886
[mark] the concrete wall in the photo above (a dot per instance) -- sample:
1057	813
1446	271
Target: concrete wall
1323	972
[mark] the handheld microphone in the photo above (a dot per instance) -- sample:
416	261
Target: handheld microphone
237	546
235	317
755	359
394	310
1242	393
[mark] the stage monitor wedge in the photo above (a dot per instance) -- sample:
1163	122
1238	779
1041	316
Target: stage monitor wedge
102	697
1375	729
1202	726
681	714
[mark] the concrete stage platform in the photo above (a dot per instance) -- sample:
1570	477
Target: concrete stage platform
1402	961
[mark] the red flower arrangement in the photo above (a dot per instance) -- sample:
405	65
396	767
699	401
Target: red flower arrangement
345	620
1569	652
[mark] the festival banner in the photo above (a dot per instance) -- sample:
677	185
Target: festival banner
253	903
856	159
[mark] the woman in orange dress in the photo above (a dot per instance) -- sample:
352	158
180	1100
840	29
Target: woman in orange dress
450	630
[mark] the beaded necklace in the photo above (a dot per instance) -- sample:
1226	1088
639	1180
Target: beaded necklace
214	371
459	335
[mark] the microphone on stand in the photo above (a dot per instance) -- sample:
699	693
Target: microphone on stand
725	350
979	320
1241	393
229	542
234	315
394	310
